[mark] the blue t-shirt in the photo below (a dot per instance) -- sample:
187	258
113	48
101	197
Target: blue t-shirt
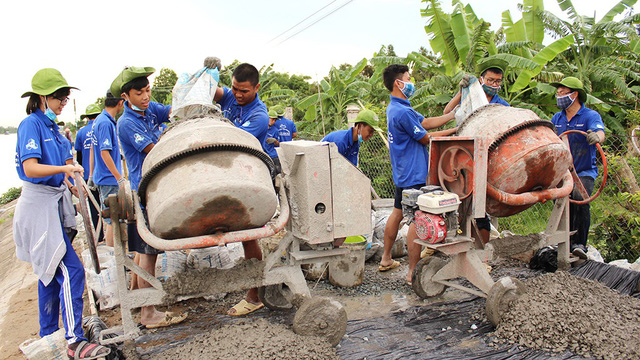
253	117
136	132
346	146
286	128
105	138
39	137
270	149
409	158
498	100
584	155
83	146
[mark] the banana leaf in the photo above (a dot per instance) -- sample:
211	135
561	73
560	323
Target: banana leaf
542	58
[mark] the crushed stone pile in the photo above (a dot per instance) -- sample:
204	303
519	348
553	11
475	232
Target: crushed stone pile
561	311
253	339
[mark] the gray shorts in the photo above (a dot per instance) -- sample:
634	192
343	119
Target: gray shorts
105	191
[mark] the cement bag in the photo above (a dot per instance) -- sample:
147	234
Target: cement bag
193	94
105	253
473	97
170	263
105	284
50	347
219	257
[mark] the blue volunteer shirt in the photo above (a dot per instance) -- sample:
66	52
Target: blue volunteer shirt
270	149
39	137
346	146
584	155
105	138
498	100
253	117
136	132
408	157
83	146
286	128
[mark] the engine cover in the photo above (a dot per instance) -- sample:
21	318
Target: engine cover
430	228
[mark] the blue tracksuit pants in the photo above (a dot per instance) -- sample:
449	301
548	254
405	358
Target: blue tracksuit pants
63	292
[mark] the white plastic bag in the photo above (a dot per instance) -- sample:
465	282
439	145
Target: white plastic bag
50	347
473	97
193	94
219	257
170	263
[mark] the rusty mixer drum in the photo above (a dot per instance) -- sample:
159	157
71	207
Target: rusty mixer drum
525	154
205	176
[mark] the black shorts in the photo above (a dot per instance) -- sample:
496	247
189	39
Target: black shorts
137	244
398	195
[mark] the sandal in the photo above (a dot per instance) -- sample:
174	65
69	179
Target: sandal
393	265
170	318
88	351
244	307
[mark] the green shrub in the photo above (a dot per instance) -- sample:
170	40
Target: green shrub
11	194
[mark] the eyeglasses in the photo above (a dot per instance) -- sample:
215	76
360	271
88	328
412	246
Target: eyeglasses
63	100
564	93
491	81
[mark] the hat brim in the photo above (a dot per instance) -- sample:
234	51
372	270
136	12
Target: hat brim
29	93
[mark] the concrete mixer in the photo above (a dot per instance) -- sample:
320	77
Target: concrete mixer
502	161
208	183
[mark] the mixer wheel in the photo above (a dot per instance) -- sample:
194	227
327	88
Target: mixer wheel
322	317
86	219
422	284
276	297
500	297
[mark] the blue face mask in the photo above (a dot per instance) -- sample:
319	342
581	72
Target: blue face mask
135	107
564	102
490	90
48	112
408	90
360	140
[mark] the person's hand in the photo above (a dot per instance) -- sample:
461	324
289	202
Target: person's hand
213	62
271	140
91	185
467	79
70	170
121	182
593	137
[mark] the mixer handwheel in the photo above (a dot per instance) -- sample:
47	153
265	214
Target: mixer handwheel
502	294
422	282
322	317
455	171
276	297
86	219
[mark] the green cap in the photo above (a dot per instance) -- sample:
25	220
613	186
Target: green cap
279	109
272	113
46	82
368	117
492	63
128	74
93	109
575	84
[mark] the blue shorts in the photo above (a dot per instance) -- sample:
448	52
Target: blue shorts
105	191
397	203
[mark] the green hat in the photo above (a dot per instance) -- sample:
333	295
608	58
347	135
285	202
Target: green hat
492	63
573	83
128	74
46	82
93	109
368	117
272	113
279	109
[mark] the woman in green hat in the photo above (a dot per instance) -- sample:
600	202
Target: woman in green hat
44	160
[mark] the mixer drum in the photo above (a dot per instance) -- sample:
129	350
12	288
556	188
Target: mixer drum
525	154
205	176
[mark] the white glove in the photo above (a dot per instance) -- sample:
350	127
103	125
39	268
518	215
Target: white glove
92	186
213	62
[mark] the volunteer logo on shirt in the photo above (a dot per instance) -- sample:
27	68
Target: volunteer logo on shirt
138	138
31	145
599	126
108	143
246	124
416	129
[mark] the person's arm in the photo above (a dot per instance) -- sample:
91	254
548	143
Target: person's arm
148	148
453	103
219	94
426	138
108	161
33	169
91	156
435	122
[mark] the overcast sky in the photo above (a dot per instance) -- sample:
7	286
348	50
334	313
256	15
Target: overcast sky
91	41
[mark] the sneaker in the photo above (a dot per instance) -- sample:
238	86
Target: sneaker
579	252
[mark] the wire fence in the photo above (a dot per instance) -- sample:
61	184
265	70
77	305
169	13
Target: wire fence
615	214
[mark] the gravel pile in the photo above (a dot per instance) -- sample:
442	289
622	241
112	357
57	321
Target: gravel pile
561	311
253	339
